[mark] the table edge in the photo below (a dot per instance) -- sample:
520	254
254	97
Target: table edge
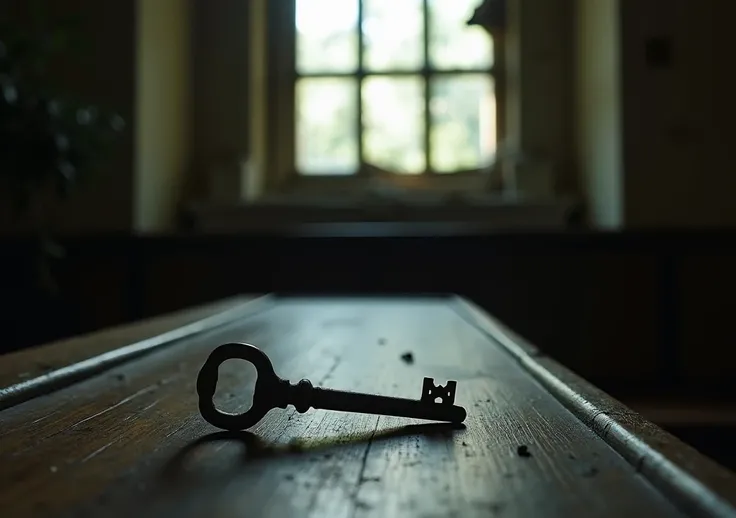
83	369
711	493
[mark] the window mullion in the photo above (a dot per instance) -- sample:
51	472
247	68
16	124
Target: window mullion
426	72
359	82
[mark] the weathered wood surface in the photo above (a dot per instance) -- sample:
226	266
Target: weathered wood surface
130	441
696	484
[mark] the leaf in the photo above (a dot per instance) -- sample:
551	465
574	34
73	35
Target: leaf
52	249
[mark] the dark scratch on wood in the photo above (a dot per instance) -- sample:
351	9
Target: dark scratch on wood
335	362
640	463
364	459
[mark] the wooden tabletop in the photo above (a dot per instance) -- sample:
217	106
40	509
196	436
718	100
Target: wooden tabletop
111	427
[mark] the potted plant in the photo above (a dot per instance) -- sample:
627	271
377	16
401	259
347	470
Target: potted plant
50	140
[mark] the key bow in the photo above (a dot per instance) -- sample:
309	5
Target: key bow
267	383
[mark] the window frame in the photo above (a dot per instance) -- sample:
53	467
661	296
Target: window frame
275	131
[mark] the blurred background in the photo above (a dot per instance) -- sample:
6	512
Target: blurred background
565	164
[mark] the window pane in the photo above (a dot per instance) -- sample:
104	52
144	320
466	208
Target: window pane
453	44
394	123
327	36
393	34
463	122
326	126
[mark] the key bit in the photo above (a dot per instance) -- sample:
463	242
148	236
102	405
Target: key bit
273	392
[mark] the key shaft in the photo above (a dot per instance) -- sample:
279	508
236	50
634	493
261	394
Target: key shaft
346	401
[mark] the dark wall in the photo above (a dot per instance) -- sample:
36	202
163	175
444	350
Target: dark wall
101	71
643	311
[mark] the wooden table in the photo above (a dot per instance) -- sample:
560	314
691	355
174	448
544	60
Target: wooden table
108	425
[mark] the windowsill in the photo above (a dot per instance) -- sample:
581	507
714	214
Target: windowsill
277	212
377	198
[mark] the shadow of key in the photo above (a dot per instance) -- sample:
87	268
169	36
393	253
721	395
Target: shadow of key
224	454
215	456
200	474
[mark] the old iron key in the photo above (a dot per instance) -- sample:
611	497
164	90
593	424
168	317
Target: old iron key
273	392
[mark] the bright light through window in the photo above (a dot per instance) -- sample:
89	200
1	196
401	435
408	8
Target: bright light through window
405	85
319	17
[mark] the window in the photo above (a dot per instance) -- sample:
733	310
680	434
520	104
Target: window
400	86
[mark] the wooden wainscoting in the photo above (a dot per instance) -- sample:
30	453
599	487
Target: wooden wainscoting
632	311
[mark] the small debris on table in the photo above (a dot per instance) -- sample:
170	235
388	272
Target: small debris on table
53	469
381	341
523	451
408	357
494	507
590	472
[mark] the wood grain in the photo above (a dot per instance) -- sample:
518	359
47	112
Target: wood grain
131	440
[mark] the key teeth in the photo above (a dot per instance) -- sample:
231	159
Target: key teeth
430	392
